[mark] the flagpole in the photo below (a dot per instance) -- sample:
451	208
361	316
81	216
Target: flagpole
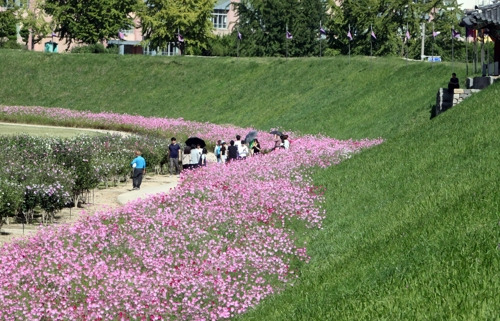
487	57
433	41
406	43
286	41
371	41
466	54
178	33
320	39
349	40
238	43
475	51
452	53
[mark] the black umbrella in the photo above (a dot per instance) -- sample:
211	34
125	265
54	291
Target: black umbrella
251	136
195	141
276	132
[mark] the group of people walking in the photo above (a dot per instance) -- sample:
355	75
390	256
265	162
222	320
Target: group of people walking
194	156
237	149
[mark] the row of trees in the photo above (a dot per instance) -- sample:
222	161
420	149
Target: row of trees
94	21
261	26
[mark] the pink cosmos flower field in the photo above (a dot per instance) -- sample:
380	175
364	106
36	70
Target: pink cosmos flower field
216	246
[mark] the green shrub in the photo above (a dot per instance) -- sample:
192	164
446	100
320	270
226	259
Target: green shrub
11	198
95	48
221	46
11	44
330	52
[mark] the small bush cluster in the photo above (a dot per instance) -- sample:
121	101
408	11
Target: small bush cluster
49	174
95	48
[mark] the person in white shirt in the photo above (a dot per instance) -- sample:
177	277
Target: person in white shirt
204	153
238	144
285	142
195	157
243	150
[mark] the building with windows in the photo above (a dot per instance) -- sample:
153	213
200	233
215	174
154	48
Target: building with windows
224	17
129	41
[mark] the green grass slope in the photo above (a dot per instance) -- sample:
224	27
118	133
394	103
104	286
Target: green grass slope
412	229
364	98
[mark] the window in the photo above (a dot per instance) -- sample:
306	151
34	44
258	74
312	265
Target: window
219	18
127	32
12	3
169	50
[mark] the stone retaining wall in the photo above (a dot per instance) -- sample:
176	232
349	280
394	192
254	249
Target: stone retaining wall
460	94
446	100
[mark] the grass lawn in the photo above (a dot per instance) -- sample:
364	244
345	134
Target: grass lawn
412	231
17	129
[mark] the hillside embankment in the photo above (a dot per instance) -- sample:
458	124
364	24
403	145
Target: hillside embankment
412	227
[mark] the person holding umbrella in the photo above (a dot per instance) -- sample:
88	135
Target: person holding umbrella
195	141
250	138
195	157
277	139
196	144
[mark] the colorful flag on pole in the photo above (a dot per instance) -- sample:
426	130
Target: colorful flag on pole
54	34
322	31
349	35
373	35
455	34
408	36
435	33
120	35
289	35
180	38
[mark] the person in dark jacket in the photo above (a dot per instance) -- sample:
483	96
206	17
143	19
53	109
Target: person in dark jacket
454	83
232	152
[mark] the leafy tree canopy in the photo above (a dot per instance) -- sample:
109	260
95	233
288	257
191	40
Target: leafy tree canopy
390	20
8	22
91	21
162	20
263	25
34	20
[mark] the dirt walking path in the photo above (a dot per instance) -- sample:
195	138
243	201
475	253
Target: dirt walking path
100	199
